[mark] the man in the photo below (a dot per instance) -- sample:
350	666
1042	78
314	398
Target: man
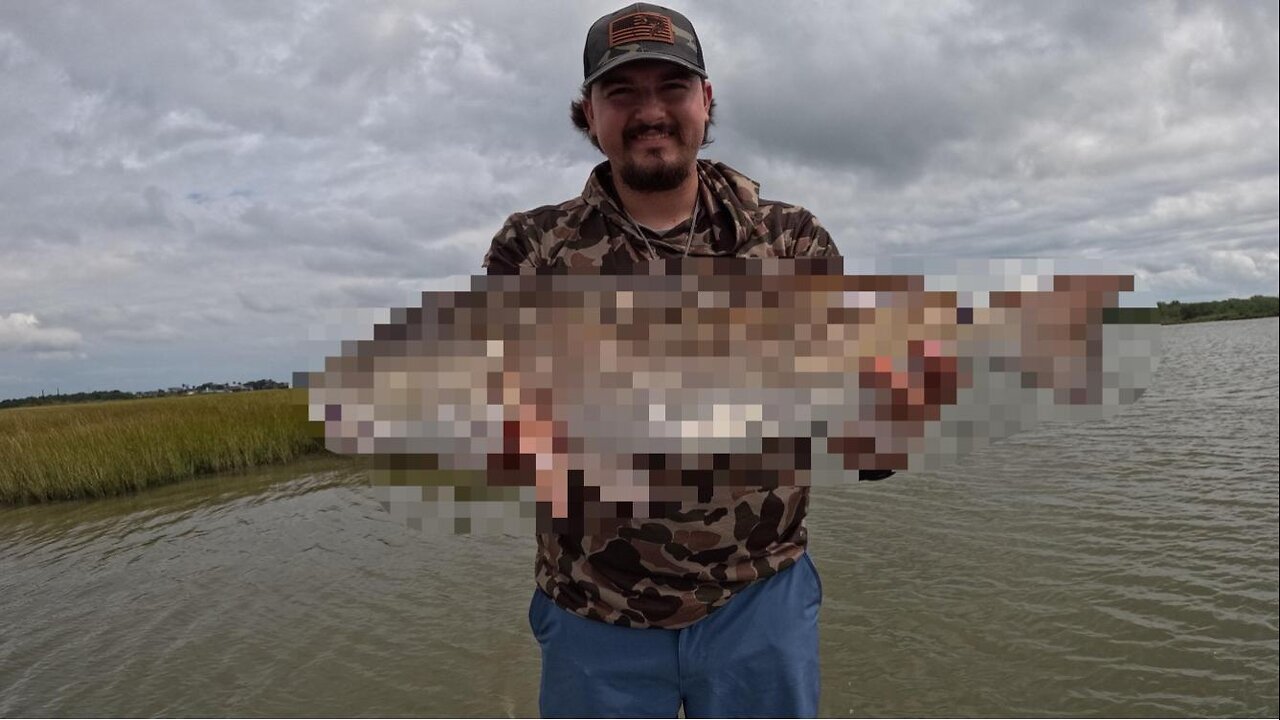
714	607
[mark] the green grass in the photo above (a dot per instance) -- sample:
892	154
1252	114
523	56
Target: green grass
99	449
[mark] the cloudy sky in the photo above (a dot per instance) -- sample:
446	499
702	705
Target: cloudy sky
188	189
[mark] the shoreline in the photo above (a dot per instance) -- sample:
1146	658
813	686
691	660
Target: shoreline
1196	321
1176	312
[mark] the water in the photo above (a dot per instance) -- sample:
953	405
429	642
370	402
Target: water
1117	568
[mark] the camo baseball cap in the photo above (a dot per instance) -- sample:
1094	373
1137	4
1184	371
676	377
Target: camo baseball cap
641	32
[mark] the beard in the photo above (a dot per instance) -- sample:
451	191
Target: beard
653	173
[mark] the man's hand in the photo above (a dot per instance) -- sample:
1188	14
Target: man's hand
907	396
533	437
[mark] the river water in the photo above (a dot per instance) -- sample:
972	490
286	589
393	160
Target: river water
1118	568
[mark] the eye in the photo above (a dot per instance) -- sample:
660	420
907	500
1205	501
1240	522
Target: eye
678	92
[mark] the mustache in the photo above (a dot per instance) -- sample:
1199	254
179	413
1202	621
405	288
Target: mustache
670	128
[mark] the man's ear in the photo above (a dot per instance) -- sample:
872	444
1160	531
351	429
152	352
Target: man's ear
706	95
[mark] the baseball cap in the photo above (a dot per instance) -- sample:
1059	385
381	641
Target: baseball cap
641	31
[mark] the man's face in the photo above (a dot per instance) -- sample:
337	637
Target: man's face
650	118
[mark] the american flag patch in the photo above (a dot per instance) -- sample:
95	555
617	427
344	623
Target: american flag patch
641	26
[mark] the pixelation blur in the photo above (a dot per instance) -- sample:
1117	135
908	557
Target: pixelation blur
570	402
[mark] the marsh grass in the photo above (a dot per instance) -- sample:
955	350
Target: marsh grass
98	449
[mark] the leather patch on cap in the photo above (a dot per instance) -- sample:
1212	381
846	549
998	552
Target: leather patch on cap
640	27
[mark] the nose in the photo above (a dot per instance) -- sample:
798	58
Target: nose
649	106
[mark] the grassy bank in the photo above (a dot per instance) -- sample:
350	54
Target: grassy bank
99	449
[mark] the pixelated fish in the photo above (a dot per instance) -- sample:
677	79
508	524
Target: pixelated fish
738	372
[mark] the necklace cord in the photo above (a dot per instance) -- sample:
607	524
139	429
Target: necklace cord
693	223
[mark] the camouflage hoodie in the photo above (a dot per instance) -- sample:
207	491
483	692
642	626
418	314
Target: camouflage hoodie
672	571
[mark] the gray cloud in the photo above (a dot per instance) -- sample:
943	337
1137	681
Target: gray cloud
185	188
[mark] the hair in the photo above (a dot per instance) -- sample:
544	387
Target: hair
578	115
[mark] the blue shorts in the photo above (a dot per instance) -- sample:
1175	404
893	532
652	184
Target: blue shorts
755	657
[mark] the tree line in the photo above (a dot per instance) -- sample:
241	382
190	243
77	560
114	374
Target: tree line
1233	309
103	395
